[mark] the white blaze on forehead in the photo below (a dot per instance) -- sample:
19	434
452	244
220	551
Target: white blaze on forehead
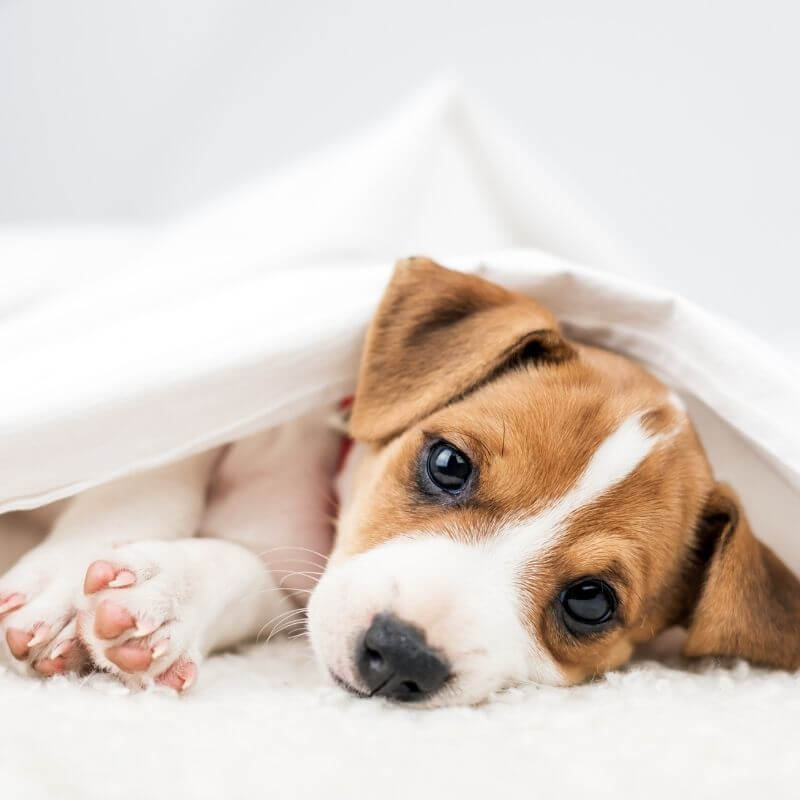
613	461
676	402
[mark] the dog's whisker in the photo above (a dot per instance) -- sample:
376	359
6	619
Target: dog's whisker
320	567
290	626
290	593
293	547
286	627
293	623
297	574
297	557
278	619
273	633
287	623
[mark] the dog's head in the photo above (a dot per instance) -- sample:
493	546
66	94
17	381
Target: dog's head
522	508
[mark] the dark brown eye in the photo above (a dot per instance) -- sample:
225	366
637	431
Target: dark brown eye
448	468
587	604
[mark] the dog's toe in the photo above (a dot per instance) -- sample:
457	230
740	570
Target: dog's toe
18	642
104	575
180	676
139	619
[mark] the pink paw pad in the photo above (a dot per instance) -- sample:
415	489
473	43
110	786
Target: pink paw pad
51	666
180	676
133	656
111	620
66	656
104	575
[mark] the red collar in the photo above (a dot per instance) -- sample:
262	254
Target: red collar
346	445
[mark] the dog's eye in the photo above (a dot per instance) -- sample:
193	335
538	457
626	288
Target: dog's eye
448	468
588	603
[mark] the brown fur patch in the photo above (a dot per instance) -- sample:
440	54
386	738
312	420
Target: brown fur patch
749	602
438	334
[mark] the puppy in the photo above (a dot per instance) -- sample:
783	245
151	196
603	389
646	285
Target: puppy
515	508
518	507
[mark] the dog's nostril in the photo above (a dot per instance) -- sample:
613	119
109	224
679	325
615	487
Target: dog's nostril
394	661
375	658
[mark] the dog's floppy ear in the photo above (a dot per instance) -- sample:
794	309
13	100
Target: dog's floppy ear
437	334
748	603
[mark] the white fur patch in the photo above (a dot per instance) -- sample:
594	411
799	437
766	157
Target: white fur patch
613	461
463	600
676	402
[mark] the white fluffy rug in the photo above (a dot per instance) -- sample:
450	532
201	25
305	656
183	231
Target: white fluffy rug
260	723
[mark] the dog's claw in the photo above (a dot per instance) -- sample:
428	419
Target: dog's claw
180	676
160	647
41	633
124	578
62	648
98	575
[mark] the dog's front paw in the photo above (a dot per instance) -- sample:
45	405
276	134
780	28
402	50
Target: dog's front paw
38	623
140	617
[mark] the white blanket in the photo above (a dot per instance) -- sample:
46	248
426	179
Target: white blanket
122	350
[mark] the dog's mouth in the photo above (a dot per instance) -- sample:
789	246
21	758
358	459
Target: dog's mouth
348	687
364	695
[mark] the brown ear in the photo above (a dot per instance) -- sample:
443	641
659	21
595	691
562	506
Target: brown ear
748	604
437	334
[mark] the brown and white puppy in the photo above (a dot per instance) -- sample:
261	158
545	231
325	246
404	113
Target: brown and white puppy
516	508
522	508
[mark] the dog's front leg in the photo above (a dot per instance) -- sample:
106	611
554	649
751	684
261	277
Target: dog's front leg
172	603
41	595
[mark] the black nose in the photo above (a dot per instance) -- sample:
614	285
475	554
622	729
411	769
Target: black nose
395	662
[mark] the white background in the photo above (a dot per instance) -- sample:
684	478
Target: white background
675	123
